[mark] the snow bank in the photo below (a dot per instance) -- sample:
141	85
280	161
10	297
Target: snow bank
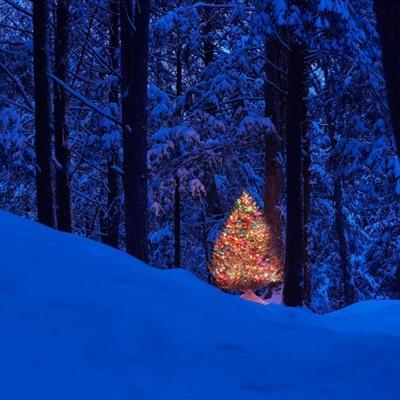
81	320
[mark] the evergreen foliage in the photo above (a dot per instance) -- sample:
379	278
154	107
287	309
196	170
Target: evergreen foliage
243	258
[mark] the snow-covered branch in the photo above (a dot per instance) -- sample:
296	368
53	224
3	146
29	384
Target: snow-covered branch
83	99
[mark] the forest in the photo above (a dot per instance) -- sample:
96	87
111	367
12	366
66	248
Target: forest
139	124
199	199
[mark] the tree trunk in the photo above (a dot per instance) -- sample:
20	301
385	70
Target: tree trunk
179	71
43	133
388	17
177	223
113	217
62	153
306	175
214	209
111	233
348	296
208	46
134	58
333	122
204	236
213	202
274	101
293	290
177	196
306	216
348	285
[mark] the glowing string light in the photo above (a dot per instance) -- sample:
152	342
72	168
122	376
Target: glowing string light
242	257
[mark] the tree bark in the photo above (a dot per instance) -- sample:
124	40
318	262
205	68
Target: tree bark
111	233
177	223
333	125
177	194
388	17
293	288
43	131
62	153
274	108
307	287
113	217
347	279
213	202
134	59
348	296
214	209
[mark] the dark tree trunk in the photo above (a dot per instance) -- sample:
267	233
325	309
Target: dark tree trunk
335	161
388	24
204	236
177	223
179	70
306	216
112	219
274	109
214	209
111	233
306	175
63	182
293	290
177	197
213	202
134	58
348	295
208	42
348	286
43	129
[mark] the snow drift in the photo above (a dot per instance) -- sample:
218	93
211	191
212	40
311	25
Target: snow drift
81	320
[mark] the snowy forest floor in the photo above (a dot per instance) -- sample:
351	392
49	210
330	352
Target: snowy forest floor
81	320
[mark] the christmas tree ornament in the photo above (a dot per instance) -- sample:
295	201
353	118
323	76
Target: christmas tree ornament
242	258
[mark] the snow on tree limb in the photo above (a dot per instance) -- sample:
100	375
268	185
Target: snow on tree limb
83	99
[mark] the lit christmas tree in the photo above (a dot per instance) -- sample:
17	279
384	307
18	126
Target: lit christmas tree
242	259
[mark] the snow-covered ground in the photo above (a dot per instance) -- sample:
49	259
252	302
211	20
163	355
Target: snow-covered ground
81	320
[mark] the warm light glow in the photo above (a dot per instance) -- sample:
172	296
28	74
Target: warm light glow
242	257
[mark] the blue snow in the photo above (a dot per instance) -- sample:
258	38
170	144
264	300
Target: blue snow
80	320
